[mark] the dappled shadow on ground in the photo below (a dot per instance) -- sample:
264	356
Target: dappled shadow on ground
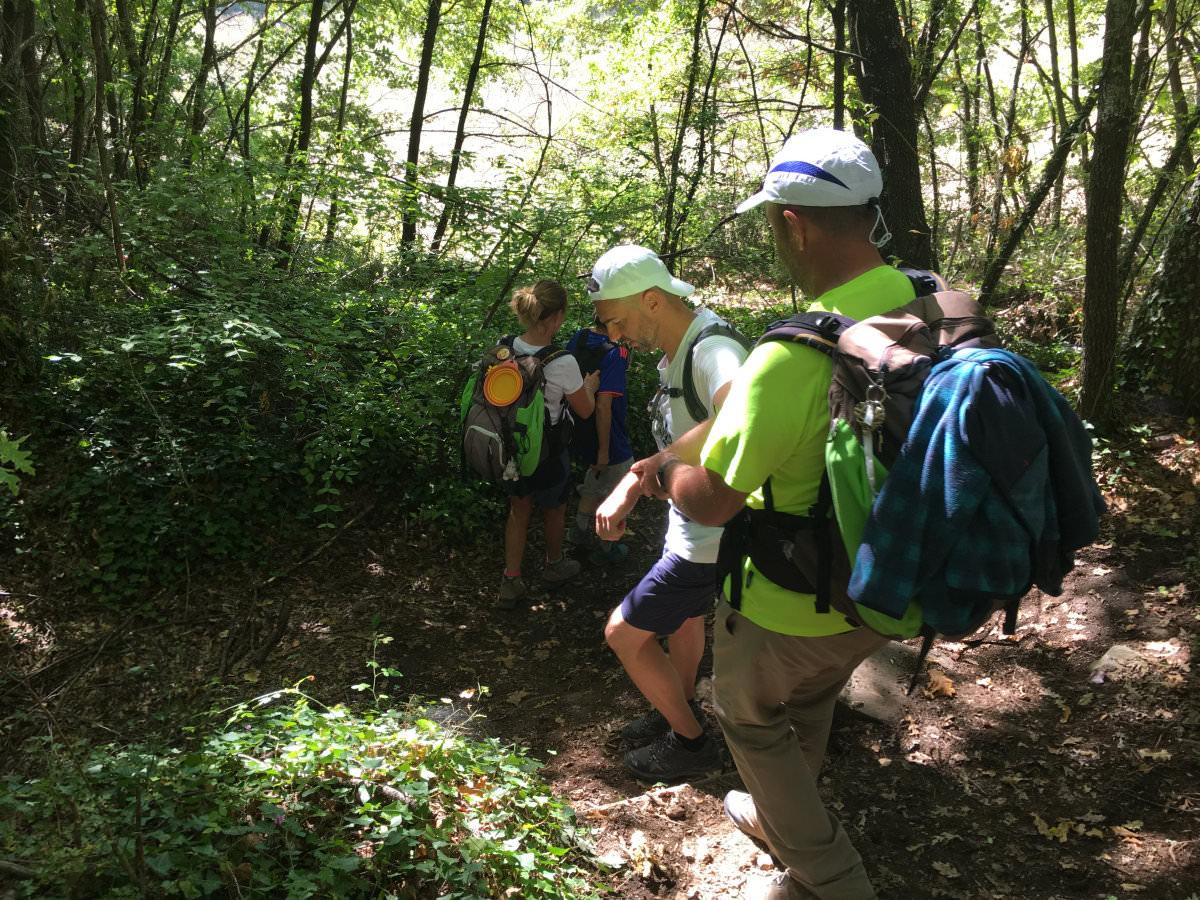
1022	774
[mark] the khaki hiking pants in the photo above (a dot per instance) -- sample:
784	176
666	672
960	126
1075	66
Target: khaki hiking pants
774	698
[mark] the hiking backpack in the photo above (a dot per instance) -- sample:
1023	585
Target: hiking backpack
588	357
880	366
506	425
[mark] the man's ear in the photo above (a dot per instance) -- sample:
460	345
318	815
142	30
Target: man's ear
798	228
651	299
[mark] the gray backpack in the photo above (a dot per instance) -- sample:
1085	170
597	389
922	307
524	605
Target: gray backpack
507	437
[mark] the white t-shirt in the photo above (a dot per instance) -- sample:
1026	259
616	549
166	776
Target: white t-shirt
562	378
714	363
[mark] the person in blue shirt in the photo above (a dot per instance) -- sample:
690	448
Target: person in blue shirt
600	443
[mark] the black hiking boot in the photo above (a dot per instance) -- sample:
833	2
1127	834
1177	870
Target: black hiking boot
646	728
668	760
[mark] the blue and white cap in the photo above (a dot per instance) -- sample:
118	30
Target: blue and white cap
820	167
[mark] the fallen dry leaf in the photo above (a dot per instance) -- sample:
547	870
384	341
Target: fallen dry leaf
940	684
946	869
1058	832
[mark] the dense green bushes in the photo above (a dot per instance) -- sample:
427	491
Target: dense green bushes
288	798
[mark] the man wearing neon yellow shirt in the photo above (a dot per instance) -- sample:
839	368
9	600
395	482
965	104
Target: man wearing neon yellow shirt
779	664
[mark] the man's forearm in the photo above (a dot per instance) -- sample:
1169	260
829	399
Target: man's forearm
699	493
688	445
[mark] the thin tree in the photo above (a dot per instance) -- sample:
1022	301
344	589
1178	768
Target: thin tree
99	31
681	128
411	208
1104	193
208	59
296	159
460	133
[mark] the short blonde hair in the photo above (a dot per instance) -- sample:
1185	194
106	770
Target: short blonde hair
533	303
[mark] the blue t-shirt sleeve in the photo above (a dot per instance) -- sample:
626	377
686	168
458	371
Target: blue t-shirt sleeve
612	371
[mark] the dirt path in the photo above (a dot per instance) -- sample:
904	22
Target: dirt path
1018	772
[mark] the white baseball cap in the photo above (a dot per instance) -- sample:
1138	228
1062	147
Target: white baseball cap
820	167
630	269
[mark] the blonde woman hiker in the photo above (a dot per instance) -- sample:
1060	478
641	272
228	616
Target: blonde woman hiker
541	309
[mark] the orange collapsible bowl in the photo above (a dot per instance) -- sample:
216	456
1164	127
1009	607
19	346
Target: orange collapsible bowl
502	384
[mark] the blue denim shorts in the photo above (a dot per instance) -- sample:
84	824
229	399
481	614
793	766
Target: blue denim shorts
672	592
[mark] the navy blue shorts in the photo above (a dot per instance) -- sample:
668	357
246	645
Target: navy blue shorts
549	485
672	592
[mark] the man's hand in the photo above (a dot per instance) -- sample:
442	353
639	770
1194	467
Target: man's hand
646	471
612	513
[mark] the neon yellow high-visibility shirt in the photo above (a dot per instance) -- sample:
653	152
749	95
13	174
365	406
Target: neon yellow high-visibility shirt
774	423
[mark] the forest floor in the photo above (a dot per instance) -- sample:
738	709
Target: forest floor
1023	767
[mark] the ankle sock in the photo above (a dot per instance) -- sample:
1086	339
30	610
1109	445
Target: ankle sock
508	574
692	744
583	522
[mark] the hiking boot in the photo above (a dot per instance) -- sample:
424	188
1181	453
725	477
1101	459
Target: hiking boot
652	724
779	886
739	809
608	553
563	570
512	589
580	537
668	760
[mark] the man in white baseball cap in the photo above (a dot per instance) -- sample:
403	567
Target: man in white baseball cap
779	661
639	301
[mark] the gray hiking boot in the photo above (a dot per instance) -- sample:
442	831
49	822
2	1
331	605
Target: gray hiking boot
580	537
652	724
668	760
739	808
511	590
563	570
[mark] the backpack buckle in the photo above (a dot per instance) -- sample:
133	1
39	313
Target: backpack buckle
827	324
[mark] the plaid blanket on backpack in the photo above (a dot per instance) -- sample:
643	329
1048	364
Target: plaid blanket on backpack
992	493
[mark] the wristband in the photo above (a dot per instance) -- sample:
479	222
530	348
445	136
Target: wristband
662	475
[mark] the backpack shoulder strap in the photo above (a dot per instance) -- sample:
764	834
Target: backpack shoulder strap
507	340
549	354
818	330
925	282
695	406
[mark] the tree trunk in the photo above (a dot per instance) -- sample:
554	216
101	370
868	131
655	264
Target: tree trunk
1104	193
100	50
296	162
412	205
1060	109
208	58
884	72
1174	77
14	120
1166	336
339	128
839	64
460	134
681	127
164	66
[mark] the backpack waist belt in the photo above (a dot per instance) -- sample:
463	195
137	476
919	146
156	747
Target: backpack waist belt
770	539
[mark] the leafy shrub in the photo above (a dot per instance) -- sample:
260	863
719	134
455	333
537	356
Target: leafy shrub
292	799
14	462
